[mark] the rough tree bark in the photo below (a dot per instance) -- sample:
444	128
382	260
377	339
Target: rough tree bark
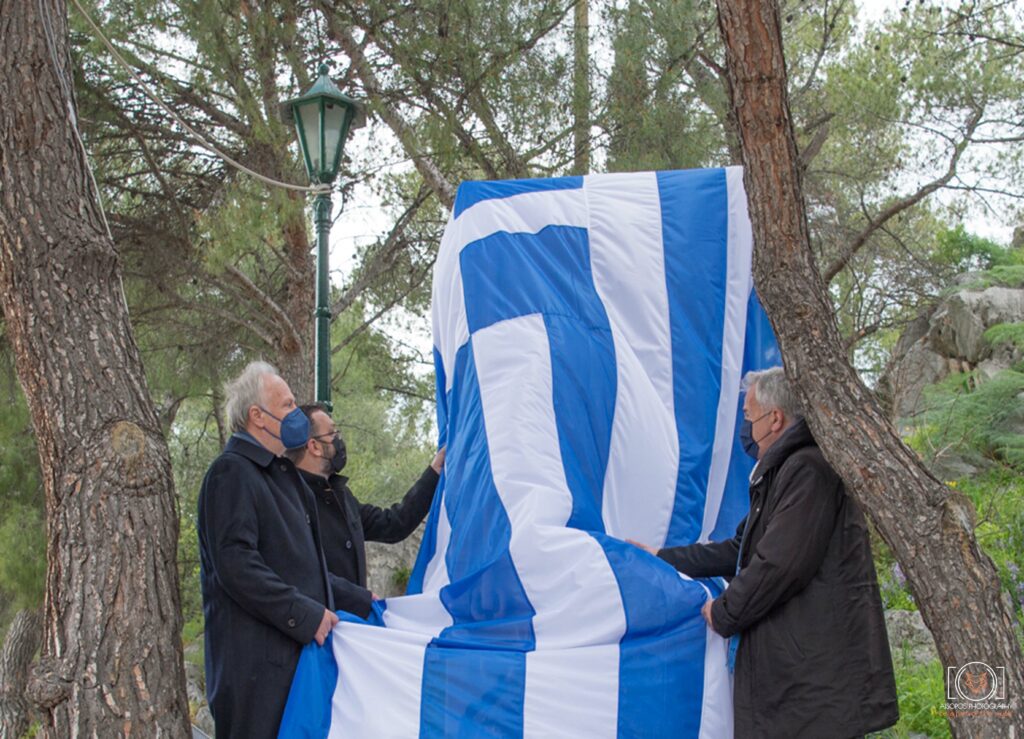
20	646
929	527
581	87
111	662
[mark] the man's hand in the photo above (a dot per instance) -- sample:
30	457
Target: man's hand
705	611
326	624
646	547
438	464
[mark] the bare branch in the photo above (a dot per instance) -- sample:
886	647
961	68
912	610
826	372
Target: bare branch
904	203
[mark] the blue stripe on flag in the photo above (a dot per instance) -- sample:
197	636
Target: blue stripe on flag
694	217
470	693
471	193
489	608
429	542
760	351
658	696
307	714
553	277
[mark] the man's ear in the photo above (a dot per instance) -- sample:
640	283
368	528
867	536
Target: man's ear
253	414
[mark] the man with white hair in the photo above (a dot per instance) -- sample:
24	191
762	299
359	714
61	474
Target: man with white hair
266	589
802	610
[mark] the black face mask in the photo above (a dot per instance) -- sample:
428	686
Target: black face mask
340	457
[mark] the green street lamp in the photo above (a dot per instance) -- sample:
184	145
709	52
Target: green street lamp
323	116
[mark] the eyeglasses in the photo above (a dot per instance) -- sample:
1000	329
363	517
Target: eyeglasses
329	434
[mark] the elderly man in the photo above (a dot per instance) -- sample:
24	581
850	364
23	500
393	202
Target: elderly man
813	658
266	589
346	523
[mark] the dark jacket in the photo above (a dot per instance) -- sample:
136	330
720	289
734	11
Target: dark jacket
264	582
346	524
813	658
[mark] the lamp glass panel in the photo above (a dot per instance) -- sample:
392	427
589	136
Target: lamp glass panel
309	117
334	121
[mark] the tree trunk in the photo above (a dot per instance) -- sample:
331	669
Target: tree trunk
295	360
20	646
111	662
581	88
929	527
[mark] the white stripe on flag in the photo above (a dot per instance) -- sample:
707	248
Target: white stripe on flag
525	213
737	294
564	571
356	707
716	708
571	684
627	258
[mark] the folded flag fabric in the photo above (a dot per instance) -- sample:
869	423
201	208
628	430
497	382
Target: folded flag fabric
590	337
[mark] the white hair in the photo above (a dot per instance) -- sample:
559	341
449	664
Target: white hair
245	391
774	391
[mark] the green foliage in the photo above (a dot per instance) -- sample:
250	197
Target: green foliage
23	555
892	583
920	689
981	420
401	578
998	497
966	252
22	532
1006	333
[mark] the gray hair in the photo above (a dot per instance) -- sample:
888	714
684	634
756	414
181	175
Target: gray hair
245	391
774	391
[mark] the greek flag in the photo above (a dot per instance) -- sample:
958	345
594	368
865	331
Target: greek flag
590	337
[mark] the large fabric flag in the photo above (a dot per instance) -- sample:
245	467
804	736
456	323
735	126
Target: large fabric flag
590	337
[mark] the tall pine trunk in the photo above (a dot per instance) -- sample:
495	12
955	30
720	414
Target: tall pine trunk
929	527
19	648
581	87
111	662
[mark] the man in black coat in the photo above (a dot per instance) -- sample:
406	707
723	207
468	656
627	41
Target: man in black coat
346	524
813	657
266	589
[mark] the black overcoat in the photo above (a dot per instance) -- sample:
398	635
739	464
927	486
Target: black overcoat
813	658
346	524
264	582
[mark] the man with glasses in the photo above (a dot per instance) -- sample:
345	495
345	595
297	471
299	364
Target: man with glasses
345	523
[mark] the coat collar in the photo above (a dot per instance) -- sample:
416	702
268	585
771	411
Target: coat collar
315	482
244	444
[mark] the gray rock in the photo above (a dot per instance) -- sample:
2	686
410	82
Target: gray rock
386	562
949	339
909	638
195	683
204	721
919	368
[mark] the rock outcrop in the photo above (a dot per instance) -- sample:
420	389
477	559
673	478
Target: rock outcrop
951	338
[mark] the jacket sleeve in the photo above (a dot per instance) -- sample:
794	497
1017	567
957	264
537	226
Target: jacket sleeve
228	509
350	597
397	522
793	546
715	559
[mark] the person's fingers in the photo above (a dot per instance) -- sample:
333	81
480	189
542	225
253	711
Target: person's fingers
320	638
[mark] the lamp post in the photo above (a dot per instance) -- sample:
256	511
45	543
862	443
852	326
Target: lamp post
323	116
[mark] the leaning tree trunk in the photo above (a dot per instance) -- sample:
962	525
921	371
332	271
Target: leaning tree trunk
929	527
20	646
111	662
